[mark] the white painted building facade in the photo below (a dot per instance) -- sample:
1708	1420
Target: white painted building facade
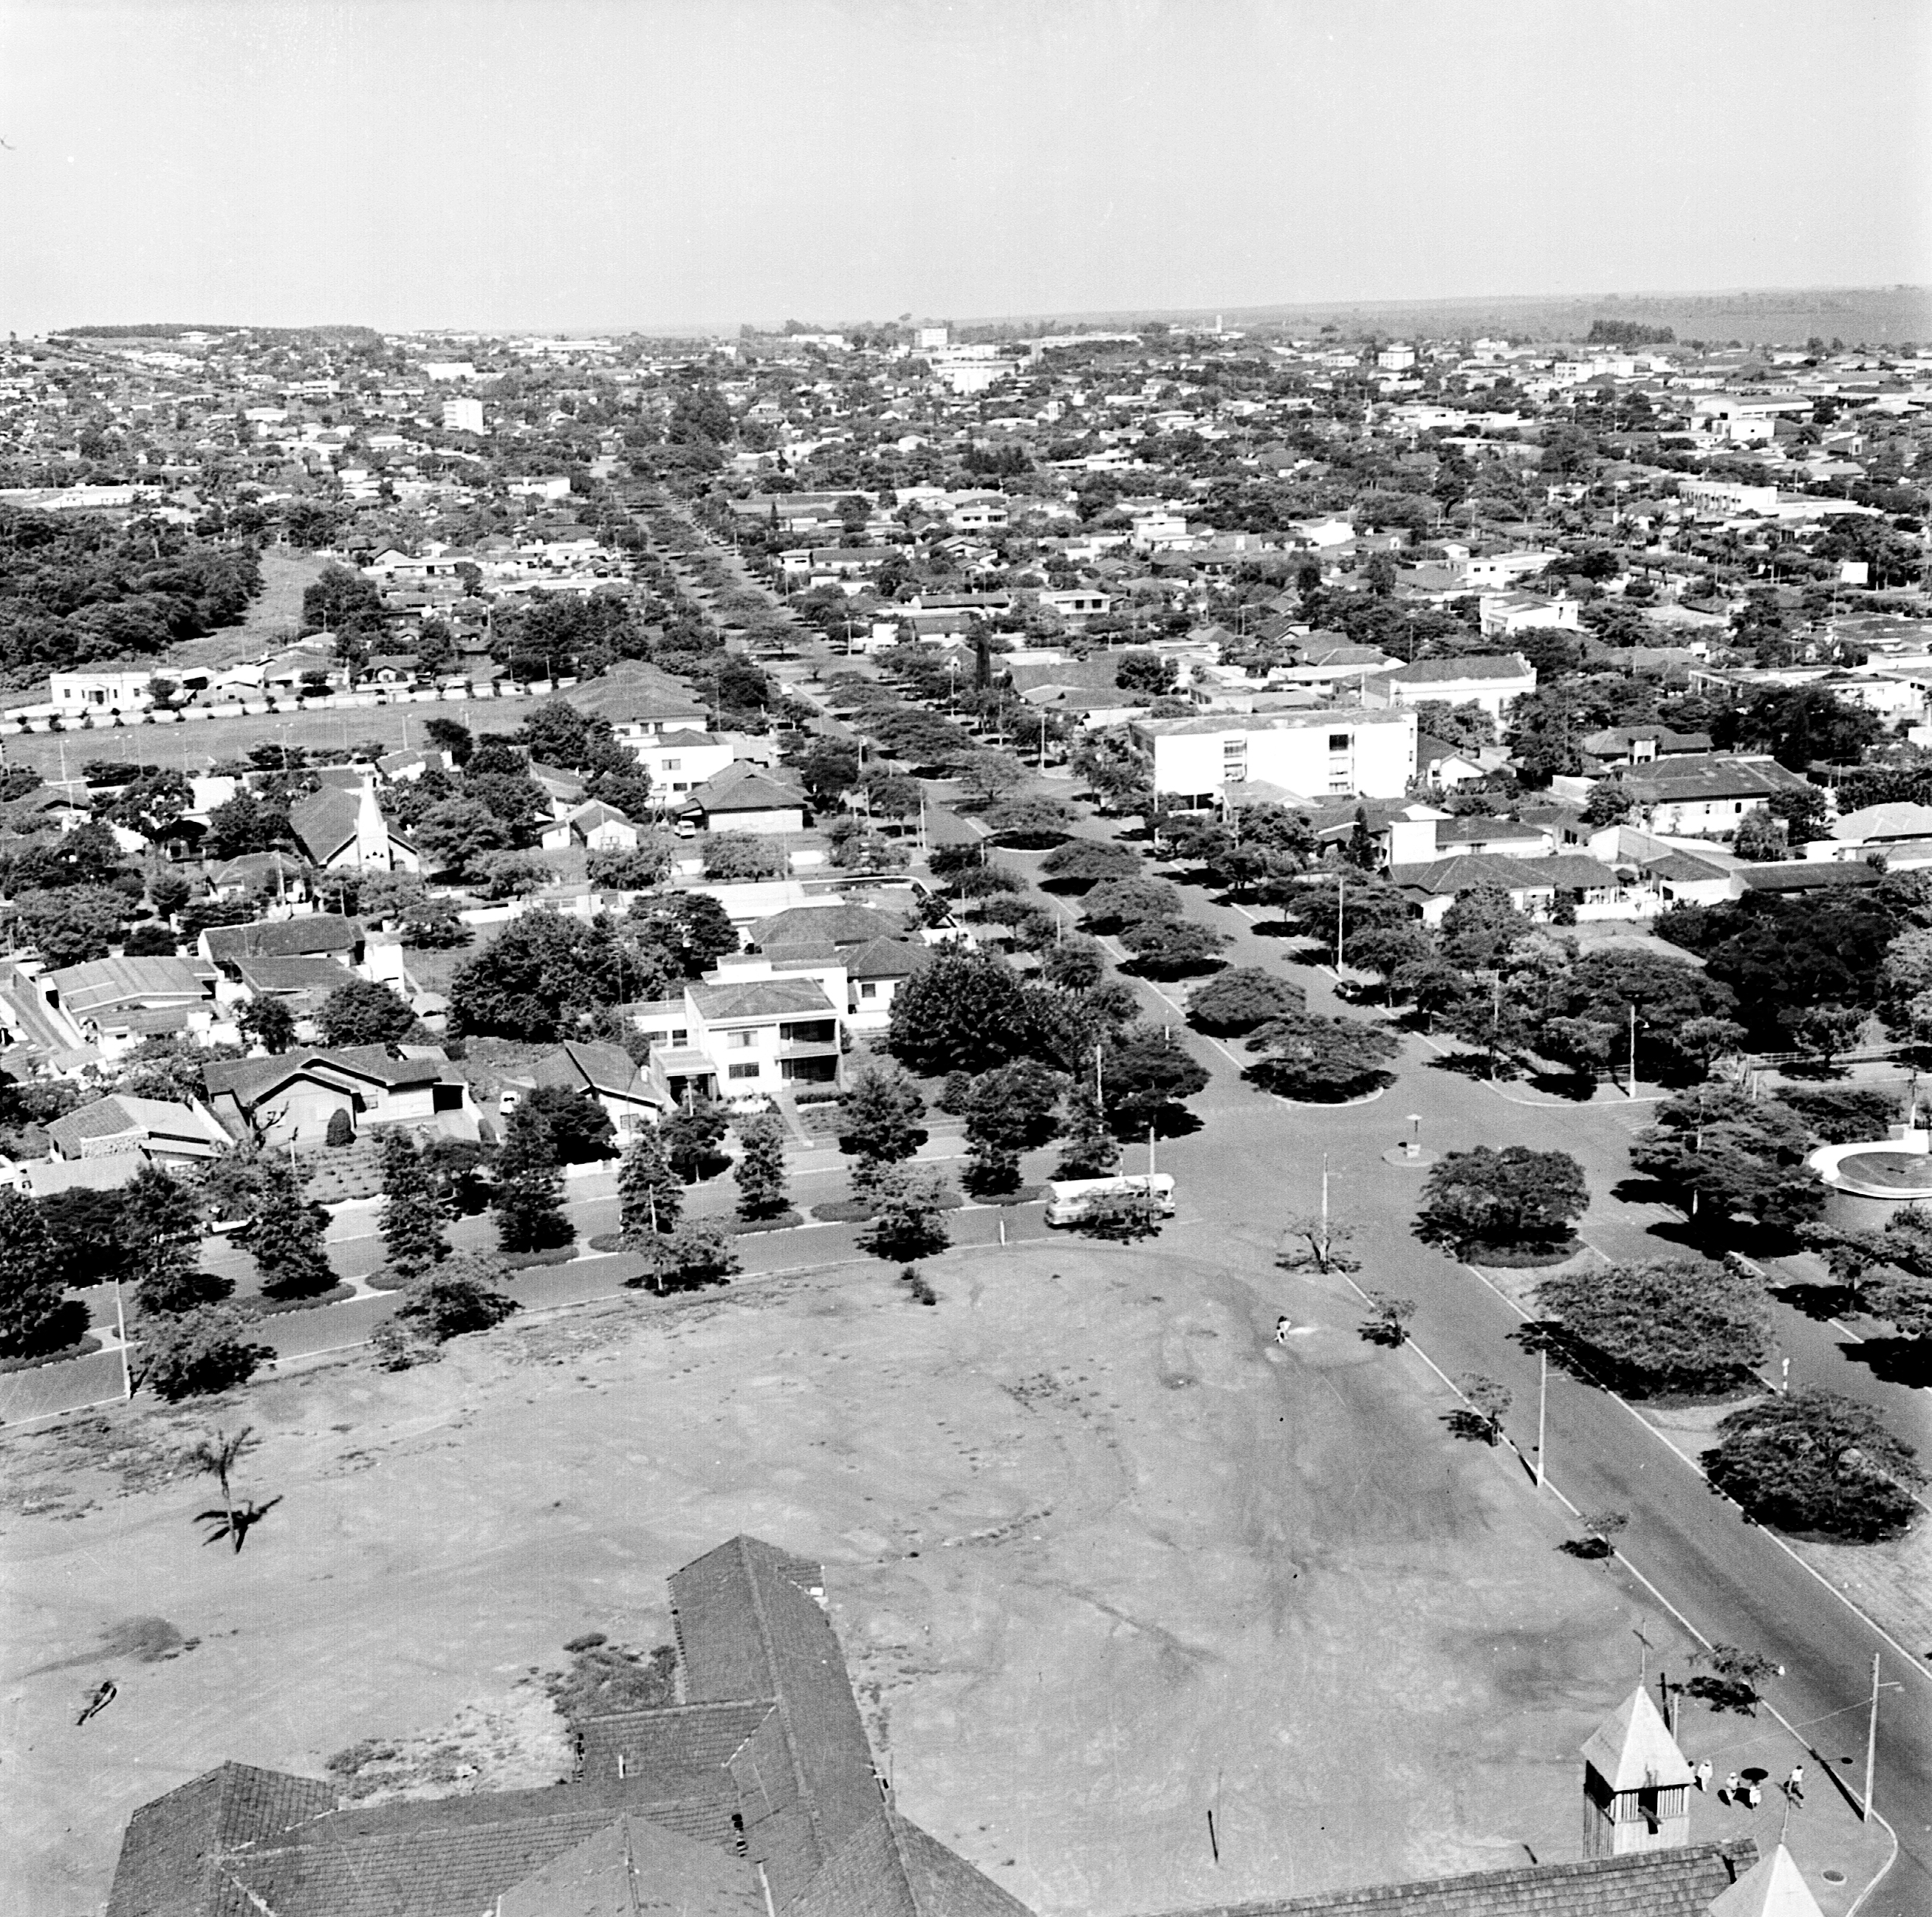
1342	753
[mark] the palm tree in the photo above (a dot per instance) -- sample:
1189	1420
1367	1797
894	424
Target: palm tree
216	1457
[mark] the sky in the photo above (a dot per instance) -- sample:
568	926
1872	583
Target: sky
567	165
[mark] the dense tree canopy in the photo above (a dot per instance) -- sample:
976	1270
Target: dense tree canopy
1782	955
1671	1325
544	972
1516	1198
35	1316
1075	864
963	1012
1238	1000
1810	1460
1722	1156
363	1012
76	588
879	1117
1322	1061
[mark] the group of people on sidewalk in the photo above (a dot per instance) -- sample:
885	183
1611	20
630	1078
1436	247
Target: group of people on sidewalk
1743	1788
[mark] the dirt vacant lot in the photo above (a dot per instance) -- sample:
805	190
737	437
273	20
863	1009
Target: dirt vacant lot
1103	1557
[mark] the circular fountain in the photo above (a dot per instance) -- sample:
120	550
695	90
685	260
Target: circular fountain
1867	1182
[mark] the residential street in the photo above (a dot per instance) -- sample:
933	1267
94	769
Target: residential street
1257	1161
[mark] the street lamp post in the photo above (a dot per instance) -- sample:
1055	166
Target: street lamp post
1542	1410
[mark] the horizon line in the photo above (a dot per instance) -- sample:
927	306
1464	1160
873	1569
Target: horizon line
685	328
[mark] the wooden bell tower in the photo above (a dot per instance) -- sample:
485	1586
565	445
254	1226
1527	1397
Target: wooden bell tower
1636	1782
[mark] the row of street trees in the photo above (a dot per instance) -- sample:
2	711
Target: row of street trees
1684	1328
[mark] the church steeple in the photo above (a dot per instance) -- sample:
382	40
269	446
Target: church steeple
1636	1782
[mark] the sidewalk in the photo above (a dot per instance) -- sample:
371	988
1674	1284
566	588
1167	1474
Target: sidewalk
1823	1832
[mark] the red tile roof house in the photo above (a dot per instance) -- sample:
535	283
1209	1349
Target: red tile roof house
1705	795
840	923
874	973
116	1003
744	798
308	934
165	1132
758	1797
291	1098
278	875
1532	884
300	983
595	826
856	949
641	702
609	1075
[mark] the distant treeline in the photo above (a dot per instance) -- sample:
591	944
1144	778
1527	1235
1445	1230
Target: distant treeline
1628	333
172	330
76	588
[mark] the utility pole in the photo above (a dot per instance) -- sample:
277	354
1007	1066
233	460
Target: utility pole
121	1326
1871	1741
1341	894
1542	1410
1632	1048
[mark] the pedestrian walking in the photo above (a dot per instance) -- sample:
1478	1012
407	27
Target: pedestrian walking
1729	1795
1704	1775
1794	1785
1283	1327
1753	1797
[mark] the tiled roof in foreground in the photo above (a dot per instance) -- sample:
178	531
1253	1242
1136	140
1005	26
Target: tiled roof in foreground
1679	1882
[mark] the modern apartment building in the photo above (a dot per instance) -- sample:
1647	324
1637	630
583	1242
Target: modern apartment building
1343	752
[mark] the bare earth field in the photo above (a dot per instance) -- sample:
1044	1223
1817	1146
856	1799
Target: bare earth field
1103	1557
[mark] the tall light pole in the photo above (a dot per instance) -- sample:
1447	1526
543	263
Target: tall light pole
1871	1741
1542	1410
121	1326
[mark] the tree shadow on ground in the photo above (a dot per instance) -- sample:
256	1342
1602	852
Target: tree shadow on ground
1281	928
1464	1064
1907	1361
1706	1236
1173	1121
1821	1303
1638	1190
1572	1085
1195	969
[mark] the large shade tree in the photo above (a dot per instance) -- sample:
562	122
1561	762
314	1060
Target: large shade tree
963	1012
1667	1326
1721	1156
1514	1199
1811	1460
1320	1060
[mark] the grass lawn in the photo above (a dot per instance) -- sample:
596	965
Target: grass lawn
1101	1554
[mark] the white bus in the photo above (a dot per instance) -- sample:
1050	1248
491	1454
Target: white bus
1070	1200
